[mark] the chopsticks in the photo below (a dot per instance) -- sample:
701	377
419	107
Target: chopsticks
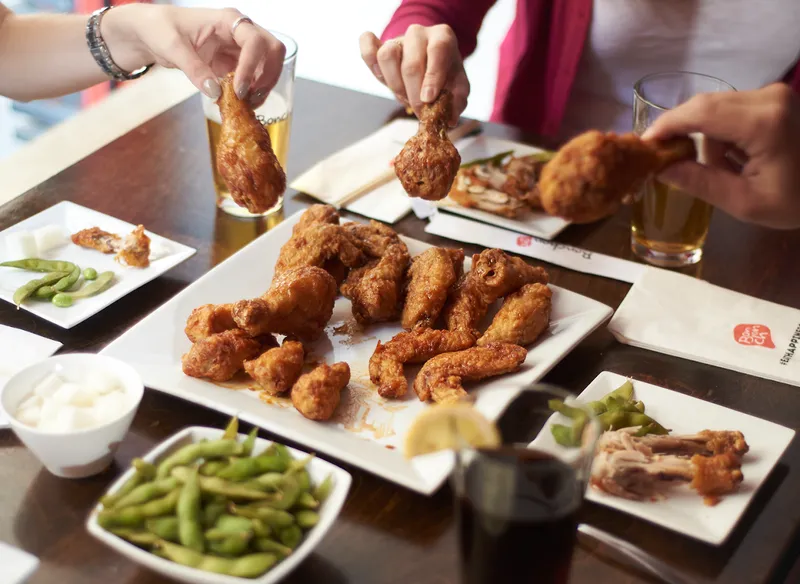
388	175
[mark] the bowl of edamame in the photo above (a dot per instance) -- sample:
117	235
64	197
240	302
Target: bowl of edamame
211	506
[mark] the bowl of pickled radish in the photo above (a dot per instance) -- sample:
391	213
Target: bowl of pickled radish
213	506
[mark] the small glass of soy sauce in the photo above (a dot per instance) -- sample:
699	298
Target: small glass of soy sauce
517	506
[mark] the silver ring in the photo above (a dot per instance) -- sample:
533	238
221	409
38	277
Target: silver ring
239	21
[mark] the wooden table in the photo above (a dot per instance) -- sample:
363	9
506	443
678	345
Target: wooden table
159	175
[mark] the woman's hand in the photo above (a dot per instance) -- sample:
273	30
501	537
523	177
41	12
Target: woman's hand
199	42
765	125
418	65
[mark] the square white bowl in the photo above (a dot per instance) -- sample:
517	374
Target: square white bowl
317	469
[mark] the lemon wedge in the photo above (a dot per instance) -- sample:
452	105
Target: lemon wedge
448	427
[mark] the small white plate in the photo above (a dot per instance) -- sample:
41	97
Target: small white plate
73	218
318	469
683	510
366	430
536	223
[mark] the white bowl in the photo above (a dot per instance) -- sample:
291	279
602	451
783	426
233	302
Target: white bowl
317	469
81	453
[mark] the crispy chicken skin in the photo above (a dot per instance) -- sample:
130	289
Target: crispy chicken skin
431	276
376	289
208	320
316	215
494	274
440	378
416	346
220	356
317	245
244	156
524	316
522	178
276	370
299	303
316	394
96	238
428	163
595	172
707	442
135	249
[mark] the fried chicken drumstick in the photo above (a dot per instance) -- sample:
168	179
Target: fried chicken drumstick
590	177
316	394
428	163
208	320
440	378
244	155
430	277
219	357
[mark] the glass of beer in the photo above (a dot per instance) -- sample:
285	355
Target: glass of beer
517	506
275	114
669	227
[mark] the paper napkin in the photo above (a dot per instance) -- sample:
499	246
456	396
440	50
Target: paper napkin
678	315
19	349
17	565
560	254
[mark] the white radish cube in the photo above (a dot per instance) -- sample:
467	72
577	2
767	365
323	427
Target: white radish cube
32	401
66	393
109	407
49	237
66	420
83	398
48	386
49	415
30	415
85	418
100	382
21	245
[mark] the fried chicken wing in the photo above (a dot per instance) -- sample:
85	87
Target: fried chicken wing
590	177
244	155
276	370
208	320
135	249
494	274
316	215
299	303
428	163
440	378
430	277
318	245
416	346
376	289
220	356
96	238
316	394
524	316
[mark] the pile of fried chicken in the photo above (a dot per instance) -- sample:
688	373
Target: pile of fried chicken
642	468
440	307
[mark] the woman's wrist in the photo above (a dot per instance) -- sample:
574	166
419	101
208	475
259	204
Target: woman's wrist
119	30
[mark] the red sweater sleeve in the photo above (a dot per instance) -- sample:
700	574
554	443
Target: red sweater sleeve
464	17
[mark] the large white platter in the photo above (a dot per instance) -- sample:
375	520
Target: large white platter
683	510
366	431
73	218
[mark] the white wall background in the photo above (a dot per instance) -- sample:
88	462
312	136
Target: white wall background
327	34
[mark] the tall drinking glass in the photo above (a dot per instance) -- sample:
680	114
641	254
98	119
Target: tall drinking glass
275	114
517	507
669	227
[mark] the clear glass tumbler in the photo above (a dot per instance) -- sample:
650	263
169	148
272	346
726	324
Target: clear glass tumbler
276	115
669	227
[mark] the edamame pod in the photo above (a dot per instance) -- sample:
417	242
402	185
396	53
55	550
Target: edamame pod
306	518
291	536
248	566
24	292
164	527
264	544
194	452
136	515
190	533
218	486
147	492
324	489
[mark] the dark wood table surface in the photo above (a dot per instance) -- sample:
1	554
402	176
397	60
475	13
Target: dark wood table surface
159	175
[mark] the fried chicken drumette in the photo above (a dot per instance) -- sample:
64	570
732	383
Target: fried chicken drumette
276	370
416	346
376	289
219	357
430	277
316	394
135	249
299	303
208	320
428	163
440	379
96	238
244	155
592	174
524	316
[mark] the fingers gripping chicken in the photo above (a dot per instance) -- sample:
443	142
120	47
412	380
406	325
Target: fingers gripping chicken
244	156
428	163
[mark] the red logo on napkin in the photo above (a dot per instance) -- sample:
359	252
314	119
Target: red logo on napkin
524	240
757	335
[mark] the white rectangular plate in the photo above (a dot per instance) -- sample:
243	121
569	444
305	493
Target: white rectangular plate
536	223
683	510
317	470
72	218
366	430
